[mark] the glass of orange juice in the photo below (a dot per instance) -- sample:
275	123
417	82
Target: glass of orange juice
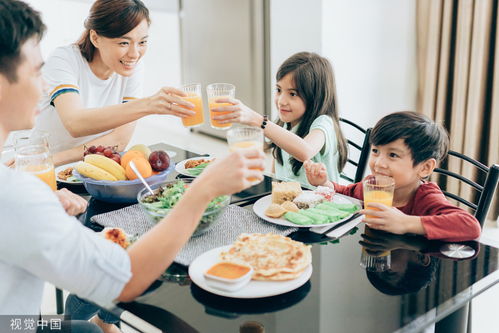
378	189
32	155
214	92
246	137
193	92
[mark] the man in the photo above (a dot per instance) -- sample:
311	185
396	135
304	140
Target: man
40	241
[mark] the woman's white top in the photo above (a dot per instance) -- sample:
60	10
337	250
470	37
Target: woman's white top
67	71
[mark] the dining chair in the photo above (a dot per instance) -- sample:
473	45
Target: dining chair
480	205
485	190
356	148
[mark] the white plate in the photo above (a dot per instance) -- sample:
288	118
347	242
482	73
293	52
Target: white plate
263	203
180	166
254	289
63	167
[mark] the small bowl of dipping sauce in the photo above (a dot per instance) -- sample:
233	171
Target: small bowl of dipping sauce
228	276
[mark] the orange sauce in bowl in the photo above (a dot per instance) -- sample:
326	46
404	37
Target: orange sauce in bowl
228	270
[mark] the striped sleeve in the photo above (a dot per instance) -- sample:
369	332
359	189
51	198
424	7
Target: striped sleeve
62	89
128	99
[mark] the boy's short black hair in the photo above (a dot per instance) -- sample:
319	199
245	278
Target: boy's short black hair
18	23
425	138
415	278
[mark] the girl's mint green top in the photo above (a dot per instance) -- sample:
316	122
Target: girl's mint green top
327	155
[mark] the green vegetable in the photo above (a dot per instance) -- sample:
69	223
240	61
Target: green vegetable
167	197
196	171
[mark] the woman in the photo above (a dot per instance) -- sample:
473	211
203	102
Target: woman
94	86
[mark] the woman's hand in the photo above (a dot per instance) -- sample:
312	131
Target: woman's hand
169	100
316	173
239	113
392	220
231	174
72	203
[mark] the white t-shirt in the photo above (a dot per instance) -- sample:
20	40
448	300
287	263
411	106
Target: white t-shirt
40	242
67	71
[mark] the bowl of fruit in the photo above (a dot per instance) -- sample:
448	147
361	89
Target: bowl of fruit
107	176
167	194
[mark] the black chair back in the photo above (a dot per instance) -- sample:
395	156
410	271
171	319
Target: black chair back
358	164
485	191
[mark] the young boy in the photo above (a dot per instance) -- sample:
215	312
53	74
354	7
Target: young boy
407	146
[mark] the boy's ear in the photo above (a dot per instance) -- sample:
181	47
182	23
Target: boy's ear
426	168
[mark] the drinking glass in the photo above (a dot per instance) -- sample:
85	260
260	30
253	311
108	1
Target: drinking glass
32	154
193	92
214	92
246	137
377	189
375	263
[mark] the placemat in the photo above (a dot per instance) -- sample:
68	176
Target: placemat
232	222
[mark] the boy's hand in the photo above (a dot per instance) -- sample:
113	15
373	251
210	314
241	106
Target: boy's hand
378	241
392	220
316	173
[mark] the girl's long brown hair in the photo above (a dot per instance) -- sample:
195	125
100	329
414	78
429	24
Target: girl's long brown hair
111	19
314	81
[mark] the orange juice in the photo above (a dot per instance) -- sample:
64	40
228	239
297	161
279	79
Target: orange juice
198	118
45	172
247	145
216	123
382	197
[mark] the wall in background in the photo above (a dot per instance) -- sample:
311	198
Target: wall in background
372	45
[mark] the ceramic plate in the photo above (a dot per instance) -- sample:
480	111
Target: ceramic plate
70	180
263	203
254	289
180	166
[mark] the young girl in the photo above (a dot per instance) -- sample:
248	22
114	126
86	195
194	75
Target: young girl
94	86
308	125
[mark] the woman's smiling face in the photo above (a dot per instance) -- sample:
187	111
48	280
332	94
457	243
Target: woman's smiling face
121	55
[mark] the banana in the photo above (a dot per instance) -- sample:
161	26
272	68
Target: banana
91	171
106	164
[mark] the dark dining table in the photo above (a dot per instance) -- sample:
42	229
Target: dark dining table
423	287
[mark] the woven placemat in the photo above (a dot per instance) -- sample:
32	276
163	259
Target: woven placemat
230	224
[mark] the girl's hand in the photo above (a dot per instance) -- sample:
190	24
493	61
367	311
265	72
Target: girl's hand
240	113
316	173
391	219
169	100
231	174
